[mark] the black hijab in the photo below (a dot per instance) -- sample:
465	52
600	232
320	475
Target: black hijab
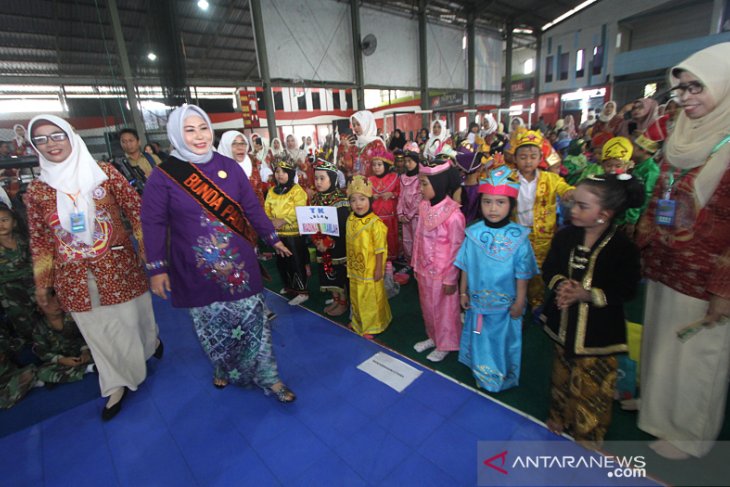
444	184
284	188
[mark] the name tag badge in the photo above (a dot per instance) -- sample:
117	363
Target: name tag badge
665	212
78	222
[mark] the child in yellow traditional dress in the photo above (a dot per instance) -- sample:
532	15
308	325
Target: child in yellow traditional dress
280	207
367	250
537	203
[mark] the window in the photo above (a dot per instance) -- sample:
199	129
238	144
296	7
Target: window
597	59
528	66
316	105
564	65
278	100
548	69
348	100
579	63
302	101
335	99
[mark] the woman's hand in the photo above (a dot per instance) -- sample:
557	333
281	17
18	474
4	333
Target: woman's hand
41	295
718	310
281	249
159	284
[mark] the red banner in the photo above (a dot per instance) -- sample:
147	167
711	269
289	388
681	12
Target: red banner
249	108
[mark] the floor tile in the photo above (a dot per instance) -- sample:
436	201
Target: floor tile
416	470
21	458
291	453
329	471
373	453
486	419
409	421
453	450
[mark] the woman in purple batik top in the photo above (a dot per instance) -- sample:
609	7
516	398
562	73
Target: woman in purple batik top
200	213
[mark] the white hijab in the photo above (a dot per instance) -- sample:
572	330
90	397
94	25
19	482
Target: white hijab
74	179
261	155
693	140
280	150
607	112
366	119
175	123
225	147
490	124
20	140
435	142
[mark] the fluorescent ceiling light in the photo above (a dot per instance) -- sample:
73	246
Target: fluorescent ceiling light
203	4
567	14
151	56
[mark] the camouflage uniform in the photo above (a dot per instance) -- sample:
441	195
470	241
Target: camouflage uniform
17	296
50	345
14	381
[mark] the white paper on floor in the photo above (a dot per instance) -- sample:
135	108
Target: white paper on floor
390	371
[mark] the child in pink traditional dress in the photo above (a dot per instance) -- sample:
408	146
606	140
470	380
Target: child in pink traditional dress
409	199
386	189
439	235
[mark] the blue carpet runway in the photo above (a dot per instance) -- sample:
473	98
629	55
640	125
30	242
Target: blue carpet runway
346	428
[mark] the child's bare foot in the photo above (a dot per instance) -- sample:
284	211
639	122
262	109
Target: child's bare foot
219	383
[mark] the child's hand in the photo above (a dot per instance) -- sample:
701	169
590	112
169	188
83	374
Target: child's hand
387	195
402	219
69	361
278	222
517	309
448	289
281	249
378	275
571	292
464	300
85	357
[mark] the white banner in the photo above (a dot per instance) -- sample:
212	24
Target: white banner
316	219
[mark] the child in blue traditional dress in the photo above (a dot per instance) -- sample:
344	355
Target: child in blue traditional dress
497	261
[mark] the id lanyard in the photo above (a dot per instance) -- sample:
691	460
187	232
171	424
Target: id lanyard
78	221
667	207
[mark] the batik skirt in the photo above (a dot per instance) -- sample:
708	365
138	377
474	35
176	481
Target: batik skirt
237	338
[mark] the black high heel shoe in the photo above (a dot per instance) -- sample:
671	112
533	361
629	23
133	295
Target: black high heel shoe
159	351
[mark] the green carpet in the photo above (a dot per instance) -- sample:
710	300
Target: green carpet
533	394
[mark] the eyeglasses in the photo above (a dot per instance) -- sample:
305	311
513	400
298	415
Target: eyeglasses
694	87
43	139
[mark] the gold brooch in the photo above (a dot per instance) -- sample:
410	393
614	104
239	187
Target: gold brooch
222	174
